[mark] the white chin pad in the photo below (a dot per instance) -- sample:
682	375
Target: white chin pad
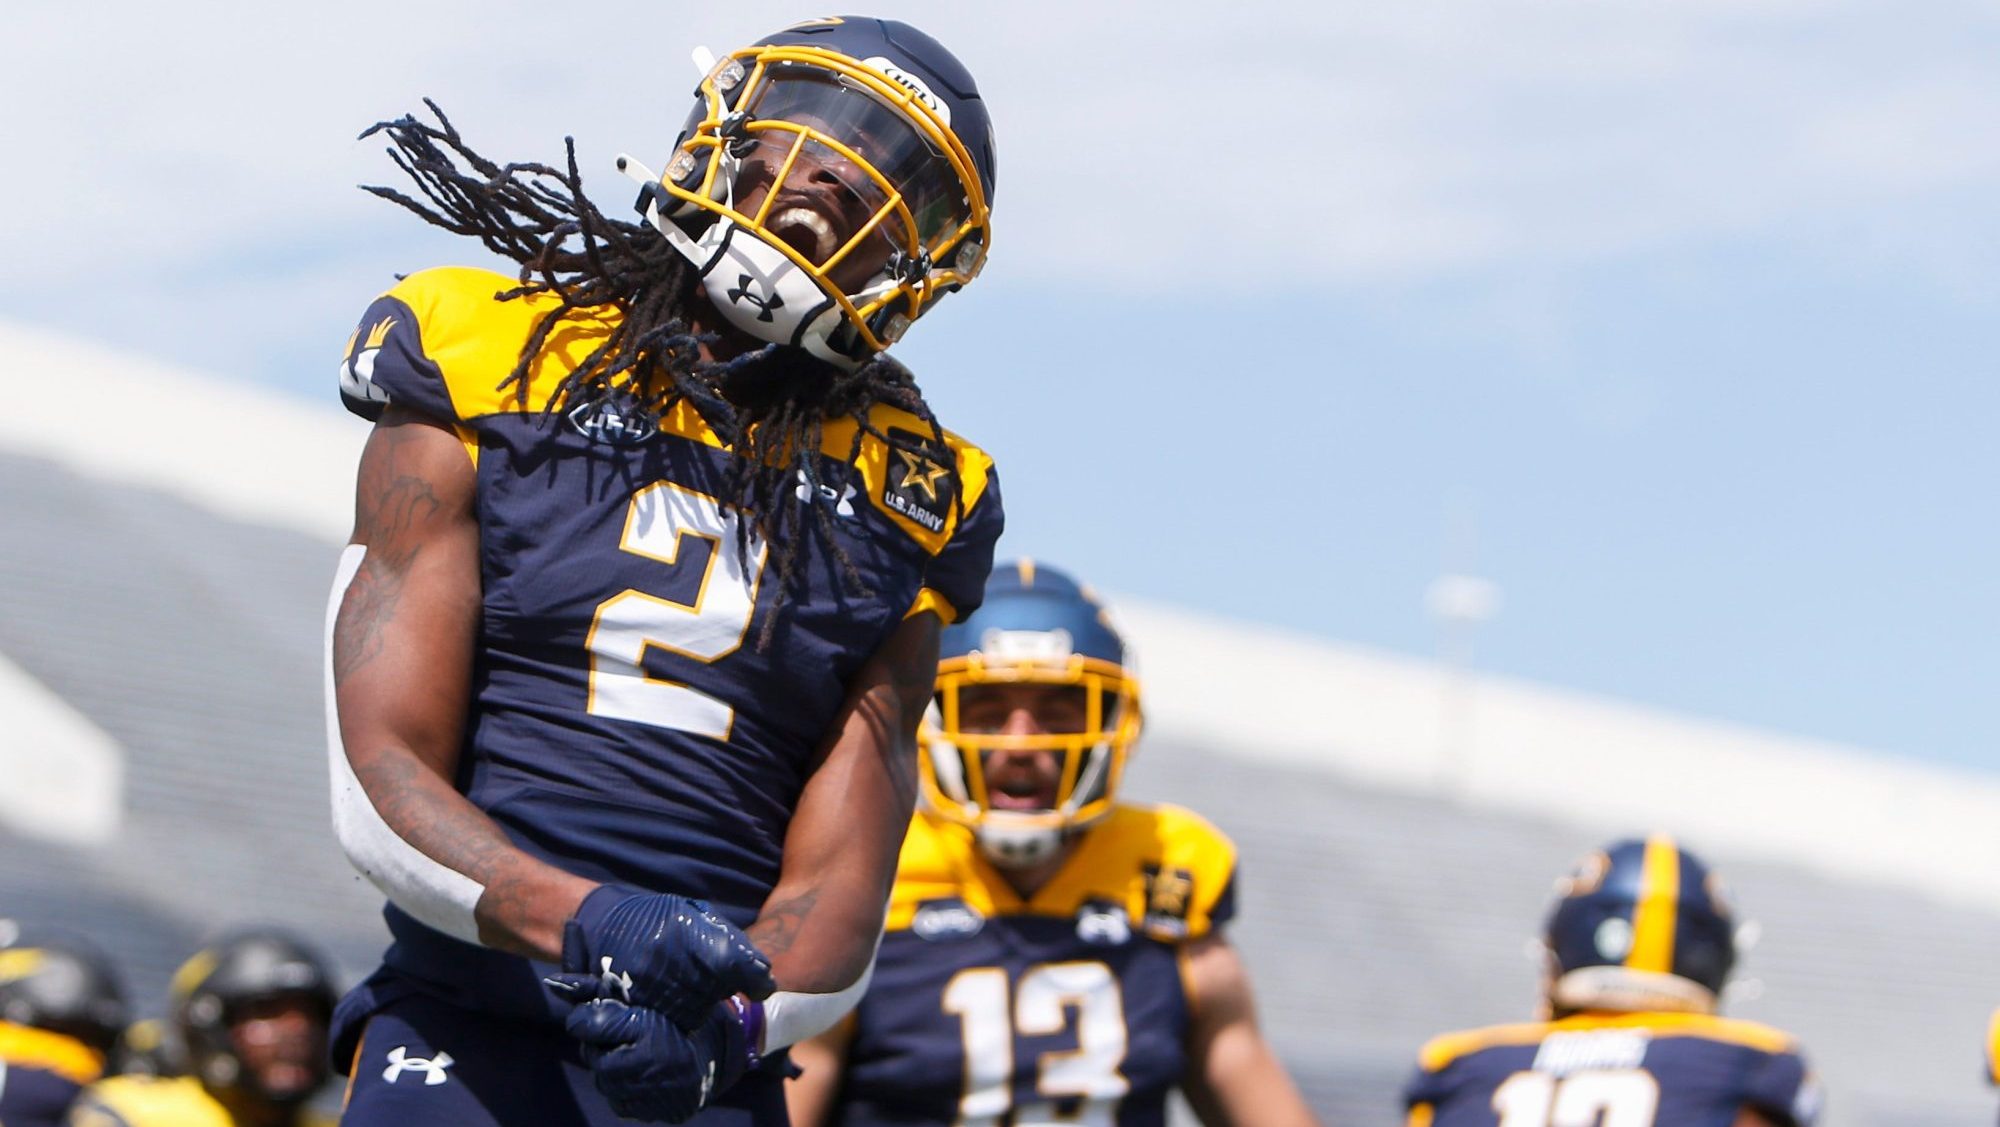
1011	845
764	293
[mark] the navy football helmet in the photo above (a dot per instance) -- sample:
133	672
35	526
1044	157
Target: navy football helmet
65	986
1036	627
1639	925
212	988
832	183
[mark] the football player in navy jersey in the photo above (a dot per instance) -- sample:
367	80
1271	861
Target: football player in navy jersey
652	550
61	1008
1639	944
1053	955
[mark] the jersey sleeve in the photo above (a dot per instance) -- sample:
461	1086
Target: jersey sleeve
1192	891
1425	1089
1784	1090
385	362
957	575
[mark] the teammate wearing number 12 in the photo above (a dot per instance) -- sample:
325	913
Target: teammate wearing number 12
652	551
1639	944
1053	955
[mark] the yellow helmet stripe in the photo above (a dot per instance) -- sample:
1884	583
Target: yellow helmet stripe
1026	566
1658	908
65	1056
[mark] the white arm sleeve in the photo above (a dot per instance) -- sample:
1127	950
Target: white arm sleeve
434	894
790	1018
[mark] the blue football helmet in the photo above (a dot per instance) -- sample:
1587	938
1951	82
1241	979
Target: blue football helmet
1639	925
1036	627
832	183
65	986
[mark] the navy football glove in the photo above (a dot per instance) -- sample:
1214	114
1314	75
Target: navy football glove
648	1069
660	951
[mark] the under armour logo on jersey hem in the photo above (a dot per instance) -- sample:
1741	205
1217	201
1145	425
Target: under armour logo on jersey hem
742	295
432	1067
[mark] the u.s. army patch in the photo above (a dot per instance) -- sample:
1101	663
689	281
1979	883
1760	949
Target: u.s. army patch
920	483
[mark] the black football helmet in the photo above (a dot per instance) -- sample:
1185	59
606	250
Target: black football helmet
65	986
1639	925
211	989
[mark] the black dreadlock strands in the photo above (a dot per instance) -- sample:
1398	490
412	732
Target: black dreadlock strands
538	217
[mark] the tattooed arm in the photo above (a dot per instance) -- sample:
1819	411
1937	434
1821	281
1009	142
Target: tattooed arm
402	667
820	923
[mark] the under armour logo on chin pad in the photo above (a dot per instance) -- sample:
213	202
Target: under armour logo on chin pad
743	296
432	1067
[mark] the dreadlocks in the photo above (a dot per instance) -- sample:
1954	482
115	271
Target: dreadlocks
769	406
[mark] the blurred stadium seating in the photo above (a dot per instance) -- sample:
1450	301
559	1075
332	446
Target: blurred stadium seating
171	592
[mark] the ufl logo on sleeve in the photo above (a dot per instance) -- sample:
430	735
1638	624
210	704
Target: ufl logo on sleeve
920	484
1169	895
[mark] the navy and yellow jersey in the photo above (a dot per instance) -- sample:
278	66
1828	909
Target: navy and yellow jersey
41	1073
159	1101
1687	1070
627	724
1066	1007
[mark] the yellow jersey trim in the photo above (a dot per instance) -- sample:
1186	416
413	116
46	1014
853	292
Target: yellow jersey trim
1441	1051
1658	909
23	1046
929	599
1420	1116
1129	856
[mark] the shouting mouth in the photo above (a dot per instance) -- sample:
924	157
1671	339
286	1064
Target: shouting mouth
805	231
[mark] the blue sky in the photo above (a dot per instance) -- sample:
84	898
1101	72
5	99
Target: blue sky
1676	318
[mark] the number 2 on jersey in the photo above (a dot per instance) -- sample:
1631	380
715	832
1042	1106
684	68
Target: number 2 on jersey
1045	994
682	529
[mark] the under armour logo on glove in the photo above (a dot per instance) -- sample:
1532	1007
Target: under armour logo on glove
672	954
742	295
432	1067
614	985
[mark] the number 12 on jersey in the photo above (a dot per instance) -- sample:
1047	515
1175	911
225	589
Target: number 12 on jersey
978	997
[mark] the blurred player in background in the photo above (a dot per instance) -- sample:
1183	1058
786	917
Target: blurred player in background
652	550
1639	944
61	1008
249	1019
1053	955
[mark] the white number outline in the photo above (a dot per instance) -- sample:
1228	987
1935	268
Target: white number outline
659	521
1092	1072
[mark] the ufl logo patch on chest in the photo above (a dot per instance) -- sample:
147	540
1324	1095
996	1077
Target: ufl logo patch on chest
615	419
941	920
920	484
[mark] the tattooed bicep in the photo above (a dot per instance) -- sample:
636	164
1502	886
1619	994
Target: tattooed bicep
414	475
